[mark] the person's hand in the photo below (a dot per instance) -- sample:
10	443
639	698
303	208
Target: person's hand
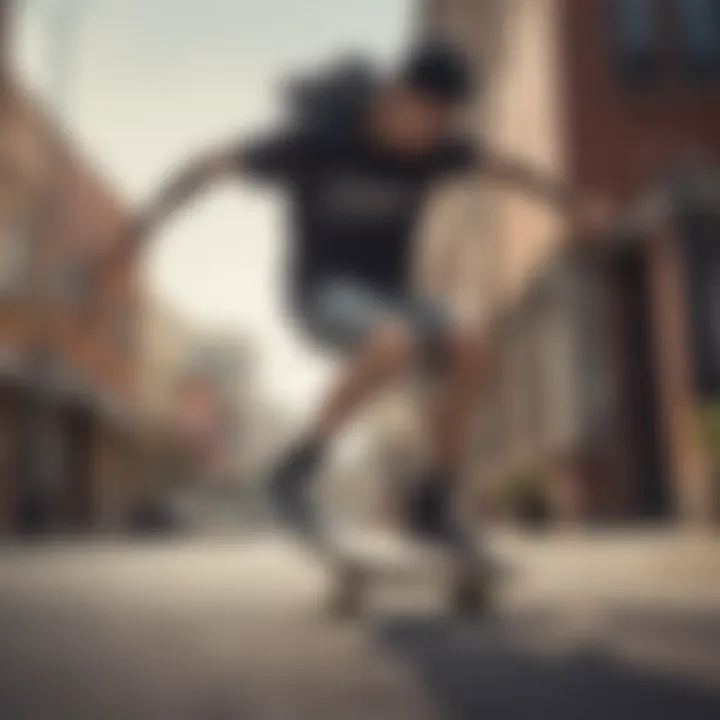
133	231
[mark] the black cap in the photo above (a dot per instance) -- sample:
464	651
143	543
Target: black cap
439	70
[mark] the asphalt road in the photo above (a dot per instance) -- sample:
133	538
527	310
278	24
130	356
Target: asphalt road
606	628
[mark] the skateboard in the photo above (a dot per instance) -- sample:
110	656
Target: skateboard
470	584
471	579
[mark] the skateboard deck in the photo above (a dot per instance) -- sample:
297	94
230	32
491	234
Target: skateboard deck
354	571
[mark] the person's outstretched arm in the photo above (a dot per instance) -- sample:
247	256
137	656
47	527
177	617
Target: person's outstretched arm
273	157
590	212
117	252
183	186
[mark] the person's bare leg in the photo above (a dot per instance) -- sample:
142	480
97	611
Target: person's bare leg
386	353
469	362
458	397
449	411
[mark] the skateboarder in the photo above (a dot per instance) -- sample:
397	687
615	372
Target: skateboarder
357	159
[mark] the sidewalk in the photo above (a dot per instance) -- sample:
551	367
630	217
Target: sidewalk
624	626
639	562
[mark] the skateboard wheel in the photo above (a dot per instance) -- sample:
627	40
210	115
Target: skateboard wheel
471	597
346	599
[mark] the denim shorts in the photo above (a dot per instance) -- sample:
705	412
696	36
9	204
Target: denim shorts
340	313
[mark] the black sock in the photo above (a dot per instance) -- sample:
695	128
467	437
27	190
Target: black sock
304	458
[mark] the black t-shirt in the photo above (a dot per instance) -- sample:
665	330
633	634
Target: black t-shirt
354	207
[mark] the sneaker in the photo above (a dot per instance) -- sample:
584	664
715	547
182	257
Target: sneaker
290	489
431	511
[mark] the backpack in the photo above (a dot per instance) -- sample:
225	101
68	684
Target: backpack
333	98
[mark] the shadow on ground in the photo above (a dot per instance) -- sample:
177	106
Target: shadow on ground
519	667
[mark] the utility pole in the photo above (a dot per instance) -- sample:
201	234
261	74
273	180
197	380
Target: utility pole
64	18
4	36
43	440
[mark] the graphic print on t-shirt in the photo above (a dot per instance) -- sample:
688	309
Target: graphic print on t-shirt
354	198
354	205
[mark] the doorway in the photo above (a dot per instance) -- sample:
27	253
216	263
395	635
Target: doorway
639	385
77	471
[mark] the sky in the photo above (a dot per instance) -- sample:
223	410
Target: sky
151	81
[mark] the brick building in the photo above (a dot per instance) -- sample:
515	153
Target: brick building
196	391
605	356
51	198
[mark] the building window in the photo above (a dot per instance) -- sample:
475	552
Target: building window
15	259
637	34
702	268
699	24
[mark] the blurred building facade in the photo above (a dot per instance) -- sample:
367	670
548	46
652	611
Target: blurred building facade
167	341
605	357
217	399
195	395
55	213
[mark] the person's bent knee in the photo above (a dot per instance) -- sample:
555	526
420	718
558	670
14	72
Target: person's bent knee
393	344
468	346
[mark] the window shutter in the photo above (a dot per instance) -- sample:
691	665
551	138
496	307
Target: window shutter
637	35
700	35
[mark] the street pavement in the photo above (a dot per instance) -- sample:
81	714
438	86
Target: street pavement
606	627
